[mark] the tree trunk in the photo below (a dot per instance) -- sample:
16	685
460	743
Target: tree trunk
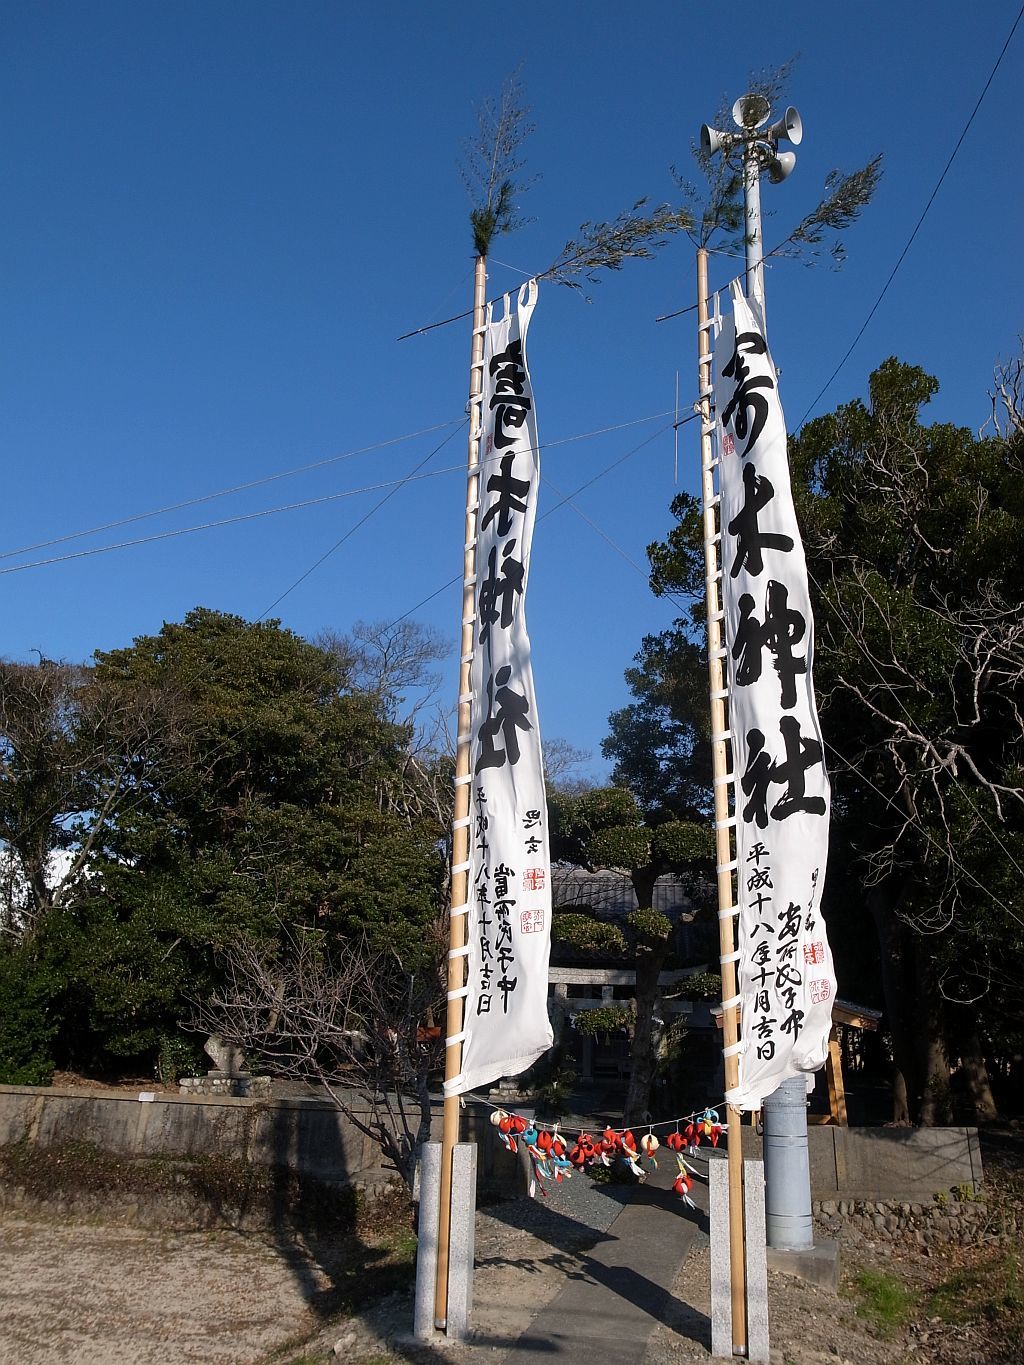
649	961
897	988
979	1085
934	1063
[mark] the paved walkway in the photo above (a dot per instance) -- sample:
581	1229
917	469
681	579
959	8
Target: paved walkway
619	1292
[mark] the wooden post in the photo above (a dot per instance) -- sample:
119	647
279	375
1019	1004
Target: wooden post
460	826
723	842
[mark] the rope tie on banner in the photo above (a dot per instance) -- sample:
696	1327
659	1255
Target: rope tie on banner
454	953
728	911
719	653
713	540
466	778
718	615
728	867
722	735
728	823
464	736
460	867
466	658
464	697
734	956
713	502
463	822
458	1038
452	1087
725	779
458	910
732	1050
731	1003
459	994
721	695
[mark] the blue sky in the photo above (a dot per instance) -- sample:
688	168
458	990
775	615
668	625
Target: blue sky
218	218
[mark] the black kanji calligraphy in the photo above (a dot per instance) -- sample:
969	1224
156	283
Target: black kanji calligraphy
507	713
758	492
512	493
782	628
748	407
762	772
500	591
509	401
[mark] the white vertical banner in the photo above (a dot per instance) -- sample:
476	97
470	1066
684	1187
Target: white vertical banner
509	919
786	977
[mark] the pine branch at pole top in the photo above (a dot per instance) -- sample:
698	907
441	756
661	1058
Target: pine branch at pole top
724	855
460	824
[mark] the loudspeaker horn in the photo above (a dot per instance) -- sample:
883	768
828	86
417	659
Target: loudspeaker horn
712	141
789	128
750	111
780	166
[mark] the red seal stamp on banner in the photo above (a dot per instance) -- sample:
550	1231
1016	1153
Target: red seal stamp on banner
531	921
820	991
533	879
728	444
814	953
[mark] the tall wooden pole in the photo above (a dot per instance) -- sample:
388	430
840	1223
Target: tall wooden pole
460	826
724	856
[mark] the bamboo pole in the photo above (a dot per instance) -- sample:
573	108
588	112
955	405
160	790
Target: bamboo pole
723	841
460	826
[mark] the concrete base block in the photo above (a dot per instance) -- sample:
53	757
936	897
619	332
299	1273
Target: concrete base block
462	1241
721	1277
757	1269
818	1264
426	1249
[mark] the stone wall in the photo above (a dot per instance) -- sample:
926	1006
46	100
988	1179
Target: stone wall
902	1164
949	1219
309	1136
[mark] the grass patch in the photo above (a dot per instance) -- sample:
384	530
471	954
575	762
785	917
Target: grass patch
991	1290
883	1301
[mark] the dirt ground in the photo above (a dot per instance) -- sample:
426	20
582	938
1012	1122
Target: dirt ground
100	1295
96	1294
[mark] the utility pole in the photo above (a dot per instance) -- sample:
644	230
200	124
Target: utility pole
786	1165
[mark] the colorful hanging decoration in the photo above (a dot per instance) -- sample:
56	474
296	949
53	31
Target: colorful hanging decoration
554	1156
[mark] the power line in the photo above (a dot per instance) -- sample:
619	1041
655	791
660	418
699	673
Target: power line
273	511
225	521
566	499
224	492
361	522
917	225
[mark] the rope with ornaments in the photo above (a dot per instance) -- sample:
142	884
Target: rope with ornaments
554	1157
